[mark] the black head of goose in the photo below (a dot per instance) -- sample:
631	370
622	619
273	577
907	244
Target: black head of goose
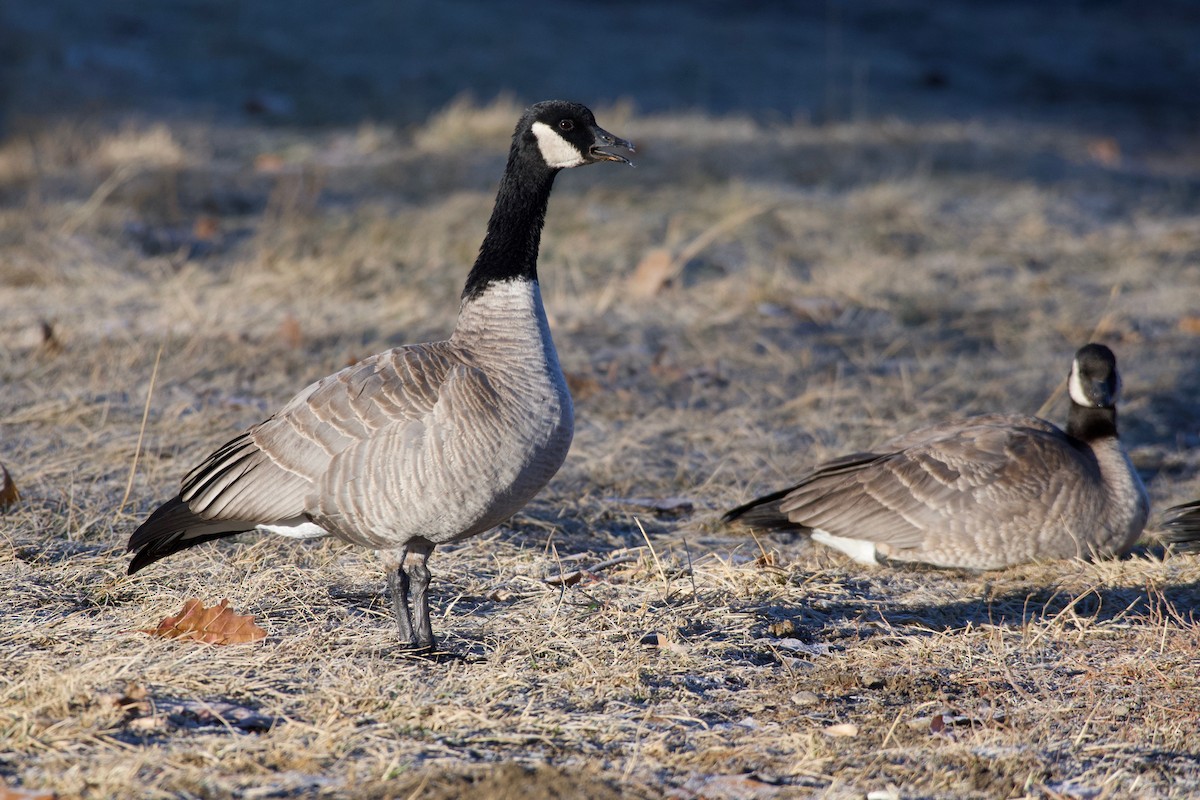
984	492
423	444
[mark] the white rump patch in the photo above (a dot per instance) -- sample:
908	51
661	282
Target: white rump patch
1075	388
556	151
861	551
299	530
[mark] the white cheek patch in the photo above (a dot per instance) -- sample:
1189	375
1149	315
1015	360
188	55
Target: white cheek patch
1075	389
557	152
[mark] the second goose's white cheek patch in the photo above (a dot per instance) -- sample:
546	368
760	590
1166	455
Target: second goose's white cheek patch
556	151
1075	389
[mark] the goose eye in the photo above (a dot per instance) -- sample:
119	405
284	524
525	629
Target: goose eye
566	125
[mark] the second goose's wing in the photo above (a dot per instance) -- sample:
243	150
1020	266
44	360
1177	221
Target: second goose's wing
1181	526
959	482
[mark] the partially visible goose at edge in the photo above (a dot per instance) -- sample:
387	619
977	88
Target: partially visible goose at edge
1181	526
423	444
980	493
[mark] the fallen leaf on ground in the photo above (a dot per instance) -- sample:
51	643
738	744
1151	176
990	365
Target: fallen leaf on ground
660	265
291	332
215	625
1105	150
663	642
1189	324
269	163
652	273
583	386
51	344
782	629
17	793
133	700
206	227
8	489
941	723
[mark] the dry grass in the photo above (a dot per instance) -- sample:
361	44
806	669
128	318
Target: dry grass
901	273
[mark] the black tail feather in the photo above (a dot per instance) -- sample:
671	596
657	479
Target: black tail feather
1181	526
173	527
763	513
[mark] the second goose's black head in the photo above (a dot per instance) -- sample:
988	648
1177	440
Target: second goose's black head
1094	381
565	135
1094	385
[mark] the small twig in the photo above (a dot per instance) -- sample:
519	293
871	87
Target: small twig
661	572
708	236
1057	617
892	729
421	786
107	187
761	549
691	571
142	430
576	575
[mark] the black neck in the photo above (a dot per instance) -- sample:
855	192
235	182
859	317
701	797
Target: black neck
1090	424
510	248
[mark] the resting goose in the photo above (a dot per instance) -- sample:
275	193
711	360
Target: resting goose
981	493
1181	526
423	444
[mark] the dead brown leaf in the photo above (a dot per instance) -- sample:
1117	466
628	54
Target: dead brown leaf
8	489
206	228
782	629
663	642
133	700
583	386
215	625
1189	324
661	265
268	163
17	793
1105	150
291	333
652	273
51	345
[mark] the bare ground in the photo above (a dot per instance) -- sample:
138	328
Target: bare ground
893	274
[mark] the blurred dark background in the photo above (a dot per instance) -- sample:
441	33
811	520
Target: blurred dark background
1116	66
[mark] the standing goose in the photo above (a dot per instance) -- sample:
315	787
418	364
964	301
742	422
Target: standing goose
422	444
981	493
